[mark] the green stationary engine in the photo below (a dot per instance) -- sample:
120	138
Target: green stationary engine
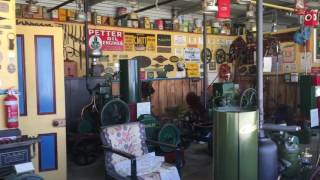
167	133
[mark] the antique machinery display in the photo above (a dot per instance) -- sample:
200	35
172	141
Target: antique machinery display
165	133
237	50
223	94
294	162
103	110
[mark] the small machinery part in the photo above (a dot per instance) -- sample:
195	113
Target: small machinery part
237	50
220	56
167	133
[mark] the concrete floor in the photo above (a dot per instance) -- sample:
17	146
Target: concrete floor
198	165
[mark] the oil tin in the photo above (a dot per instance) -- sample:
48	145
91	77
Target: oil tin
94	17
39	14
18	10
167	24
55	15
159	24
25	12
99	19
129	23
71	14
104	20
89	17
135	23
144	22
121	11
62	14
45	13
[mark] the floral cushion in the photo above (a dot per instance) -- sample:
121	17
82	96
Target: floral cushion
128	137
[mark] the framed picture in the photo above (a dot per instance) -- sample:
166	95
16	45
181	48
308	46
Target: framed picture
212	67
316	45
288	53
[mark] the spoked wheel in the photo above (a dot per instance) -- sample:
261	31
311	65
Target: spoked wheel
248	98
114	112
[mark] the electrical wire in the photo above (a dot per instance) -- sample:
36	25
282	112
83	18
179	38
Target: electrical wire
213	81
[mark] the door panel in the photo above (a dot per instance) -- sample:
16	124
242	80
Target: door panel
44	87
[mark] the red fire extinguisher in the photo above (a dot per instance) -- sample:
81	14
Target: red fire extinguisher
11	109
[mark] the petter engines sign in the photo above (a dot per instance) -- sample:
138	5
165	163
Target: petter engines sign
106	40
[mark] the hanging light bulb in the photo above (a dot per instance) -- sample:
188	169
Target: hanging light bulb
209	6
274	27
251	14
32	8
80	14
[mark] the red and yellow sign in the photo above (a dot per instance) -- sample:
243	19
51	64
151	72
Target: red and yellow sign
109	40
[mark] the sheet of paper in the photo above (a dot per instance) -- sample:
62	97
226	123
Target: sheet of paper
143	108
314	117
180	40
305	63
179	52
192	54
267	66
24	167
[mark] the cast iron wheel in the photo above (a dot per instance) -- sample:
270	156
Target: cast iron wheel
208	58
220	56
85	152
115	112
248	98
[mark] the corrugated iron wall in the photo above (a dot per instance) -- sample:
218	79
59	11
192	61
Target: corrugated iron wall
108	8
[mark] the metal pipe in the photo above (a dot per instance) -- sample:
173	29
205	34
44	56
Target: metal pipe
205	77
60	5
259	7
146	8
86	31
276	6
275	127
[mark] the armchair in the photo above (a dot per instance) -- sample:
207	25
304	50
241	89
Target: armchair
128	142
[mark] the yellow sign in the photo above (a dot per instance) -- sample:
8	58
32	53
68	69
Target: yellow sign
193	70
139	42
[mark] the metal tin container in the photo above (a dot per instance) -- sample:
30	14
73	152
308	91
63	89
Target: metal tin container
121	11
159	24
